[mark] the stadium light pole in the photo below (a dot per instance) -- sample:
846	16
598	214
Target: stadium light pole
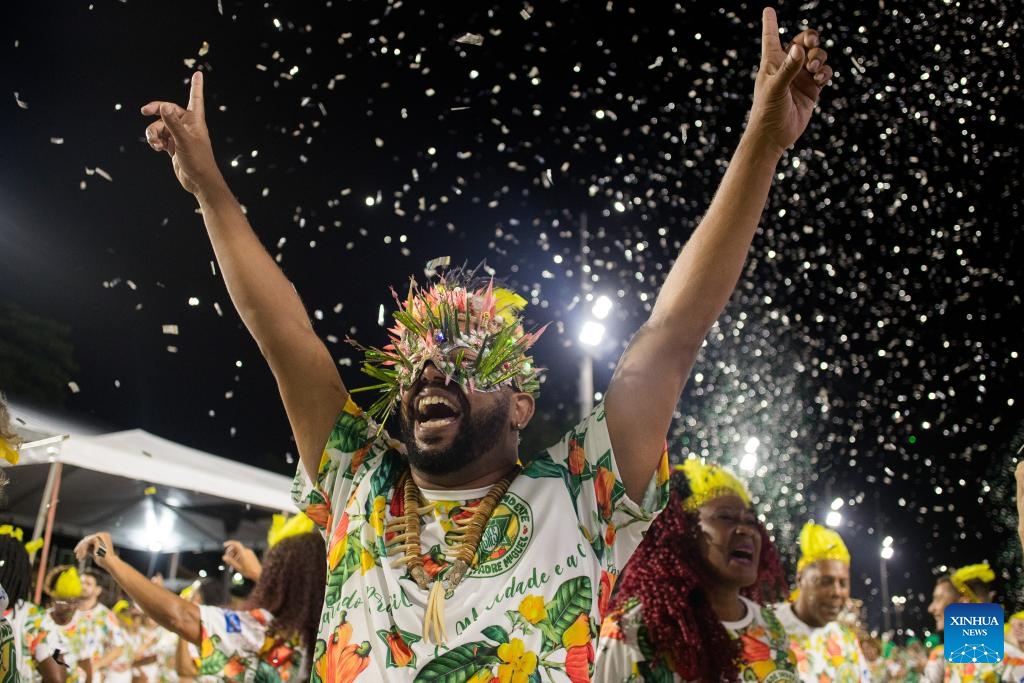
591	335
885	554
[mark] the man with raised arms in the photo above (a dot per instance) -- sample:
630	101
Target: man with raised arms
448	554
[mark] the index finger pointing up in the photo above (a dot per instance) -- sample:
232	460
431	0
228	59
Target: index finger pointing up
769	32
195	95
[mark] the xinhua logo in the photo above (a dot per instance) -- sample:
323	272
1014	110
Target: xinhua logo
974	633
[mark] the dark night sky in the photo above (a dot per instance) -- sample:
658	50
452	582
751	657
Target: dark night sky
873	343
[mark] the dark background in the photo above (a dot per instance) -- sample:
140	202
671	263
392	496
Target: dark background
873	345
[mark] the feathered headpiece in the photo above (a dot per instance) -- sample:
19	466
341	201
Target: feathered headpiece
284	526
972	572
63	583
820	543
469	329
706	482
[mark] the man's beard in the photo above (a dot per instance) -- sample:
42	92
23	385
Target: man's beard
478	433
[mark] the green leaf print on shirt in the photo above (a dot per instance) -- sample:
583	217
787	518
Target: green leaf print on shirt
459	664
214	663
573	598
542	466
349	433
384	478
265	673
496	633
347	566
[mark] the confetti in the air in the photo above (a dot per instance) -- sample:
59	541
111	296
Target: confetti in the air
871	352
470	39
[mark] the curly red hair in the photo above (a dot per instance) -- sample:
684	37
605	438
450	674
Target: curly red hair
668	573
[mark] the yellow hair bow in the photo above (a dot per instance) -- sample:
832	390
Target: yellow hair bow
18	534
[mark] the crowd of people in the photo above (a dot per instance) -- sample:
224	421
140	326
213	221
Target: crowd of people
446	554
153	635
704	598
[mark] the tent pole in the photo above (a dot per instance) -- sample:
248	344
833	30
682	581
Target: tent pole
153	558
50	497
172	572
39	528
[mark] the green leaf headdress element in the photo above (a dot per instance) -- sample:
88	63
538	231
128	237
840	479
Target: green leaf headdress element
472	333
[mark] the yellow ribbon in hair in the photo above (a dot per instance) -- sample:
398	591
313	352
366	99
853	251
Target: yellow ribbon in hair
972	572
284	526
19	535
68	585
8	452
708	482
819	543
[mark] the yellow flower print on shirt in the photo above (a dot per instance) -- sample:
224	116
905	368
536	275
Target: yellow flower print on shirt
516	664
380	503
532	609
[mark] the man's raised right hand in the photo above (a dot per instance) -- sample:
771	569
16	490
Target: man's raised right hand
182	134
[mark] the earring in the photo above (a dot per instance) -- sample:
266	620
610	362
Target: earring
515	426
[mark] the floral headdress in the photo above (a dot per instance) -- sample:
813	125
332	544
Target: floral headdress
471	332
705	482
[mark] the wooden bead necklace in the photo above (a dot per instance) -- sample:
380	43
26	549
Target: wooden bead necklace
467	533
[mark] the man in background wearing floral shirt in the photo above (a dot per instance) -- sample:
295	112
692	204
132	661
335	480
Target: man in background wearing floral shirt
825	649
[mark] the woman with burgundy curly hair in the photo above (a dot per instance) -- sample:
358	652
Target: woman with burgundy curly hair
271	638
691	605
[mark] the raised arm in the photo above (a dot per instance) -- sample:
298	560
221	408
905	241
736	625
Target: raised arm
242	559
650	376
164	607
1019	476
310	386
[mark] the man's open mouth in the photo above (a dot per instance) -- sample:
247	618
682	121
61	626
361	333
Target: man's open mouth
436	410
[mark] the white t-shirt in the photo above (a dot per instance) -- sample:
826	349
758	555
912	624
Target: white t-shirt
530	605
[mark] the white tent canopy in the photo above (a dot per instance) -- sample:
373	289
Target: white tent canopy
150	493
137	454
